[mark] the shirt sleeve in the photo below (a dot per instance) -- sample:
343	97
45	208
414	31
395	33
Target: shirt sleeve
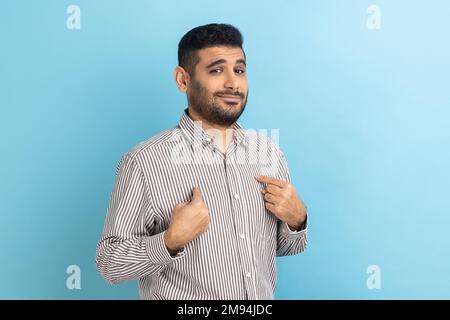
289	242
128	248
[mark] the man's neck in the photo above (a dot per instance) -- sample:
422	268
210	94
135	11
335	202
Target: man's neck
222	135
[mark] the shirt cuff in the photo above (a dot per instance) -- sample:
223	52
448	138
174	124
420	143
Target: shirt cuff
157	250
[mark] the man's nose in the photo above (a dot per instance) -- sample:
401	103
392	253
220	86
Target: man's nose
231	81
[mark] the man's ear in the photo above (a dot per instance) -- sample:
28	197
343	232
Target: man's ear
181	78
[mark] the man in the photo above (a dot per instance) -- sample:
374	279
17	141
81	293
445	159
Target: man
198	211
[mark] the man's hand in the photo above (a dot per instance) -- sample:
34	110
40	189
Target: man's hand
282	200
189	220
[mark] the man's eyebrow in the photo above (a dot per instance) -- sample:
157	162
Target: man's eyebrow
241	61
222	61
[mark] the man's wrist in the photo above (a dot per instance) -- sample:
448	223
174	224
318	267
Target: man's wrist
172	248
297	225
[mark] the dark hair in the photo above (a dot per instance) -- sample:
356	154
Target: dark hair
210	35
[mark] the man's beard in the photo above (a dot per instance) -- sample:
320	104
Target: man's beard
212	110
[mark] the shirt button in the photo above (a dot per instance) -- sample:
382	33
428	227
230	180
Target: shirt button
236	196
249	275
242	235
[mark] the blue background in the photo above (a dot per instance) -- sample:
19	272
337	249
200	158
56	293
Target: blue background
363	116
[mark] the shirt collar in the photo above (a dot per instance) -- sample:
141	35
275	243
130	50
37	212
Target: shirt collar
198	136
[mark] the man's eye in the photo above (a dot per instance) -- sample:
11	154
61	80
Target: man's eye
240	71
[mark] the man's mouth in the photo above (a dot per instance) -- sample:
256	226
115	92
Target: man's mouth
230	98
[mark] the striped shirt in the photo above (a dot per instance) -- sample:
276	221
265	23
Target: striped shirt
236	257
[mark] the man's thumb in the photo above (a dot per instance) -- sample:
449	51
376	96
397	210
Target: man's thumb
197	195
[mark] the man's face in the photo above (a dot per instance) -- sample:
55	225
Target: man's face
218	91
